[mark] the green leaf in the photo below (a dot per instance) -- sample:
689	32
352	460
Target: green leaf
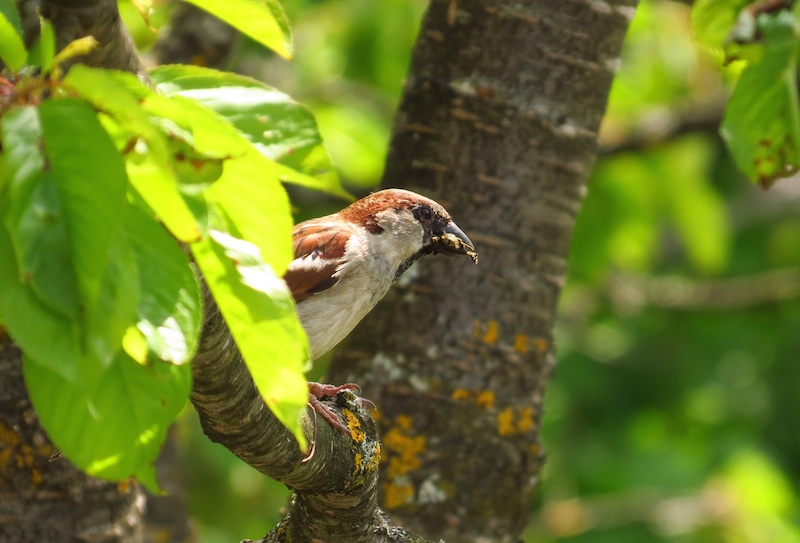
698	211
257	207
115	310
262	20
8	9
169	309
280	128
204	130
114	429
12	49
39	331
762	121
91	183
713	20
149	164
47	43
35	218
259	310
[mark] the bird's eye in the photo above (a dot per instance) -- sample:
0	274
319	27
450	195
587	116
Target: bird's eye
424	212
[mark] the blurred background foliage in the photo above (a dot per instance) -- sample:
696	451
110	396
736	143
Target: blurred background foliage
673	415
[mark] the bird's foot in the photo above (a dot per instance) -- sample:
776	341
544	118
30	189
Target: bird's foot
318	391
321	390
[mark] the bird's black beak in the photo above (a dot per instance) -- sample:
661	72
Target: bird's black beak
451	240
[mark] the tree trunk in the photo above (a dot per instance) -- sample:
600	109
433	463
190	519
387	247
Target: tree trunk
499	123
43	501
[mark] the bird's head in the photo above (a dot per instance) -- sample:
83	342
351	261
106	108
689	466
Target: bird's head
407	226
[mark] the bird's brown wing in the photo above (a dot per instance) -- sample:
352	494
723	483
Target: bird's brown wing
318	251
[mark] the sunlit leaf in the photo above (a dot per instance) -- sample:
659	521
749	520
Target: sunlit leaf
259	311
47	44
280	128
713	20
762	121
8	9
12	49
115	428
697	210
169	309
91	183
144	7
262	20
257	206
148	164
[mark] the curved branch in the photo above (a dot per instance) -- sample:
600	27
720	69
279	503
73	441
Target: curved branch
335	487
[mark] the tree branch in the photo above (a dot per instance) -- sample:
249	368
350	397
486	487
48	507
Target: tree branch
73	19
629	292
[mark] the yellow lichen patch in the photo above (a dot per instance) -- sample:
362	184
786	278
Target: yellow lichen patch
404	452
396	495
525	422
354	425
460	394
505	422
541	345
358	463
521	343
492	333
8	436
5	454
403	422
485	399
36	476
535	449
374	461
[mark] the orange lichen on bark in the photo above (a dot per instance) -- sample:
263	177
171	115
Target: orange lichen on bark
403	453
510	423
8	436
521	343
460	394
354	425
358	463
505	422
397	495
492	333
403	422
525	422
485	399
541	345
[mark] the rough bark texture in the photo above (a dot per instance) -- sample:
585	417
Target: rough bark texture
195	37
43	501
73	19
499	123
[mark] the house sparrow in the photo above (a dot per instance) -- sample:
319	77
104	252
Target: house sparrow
345	263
